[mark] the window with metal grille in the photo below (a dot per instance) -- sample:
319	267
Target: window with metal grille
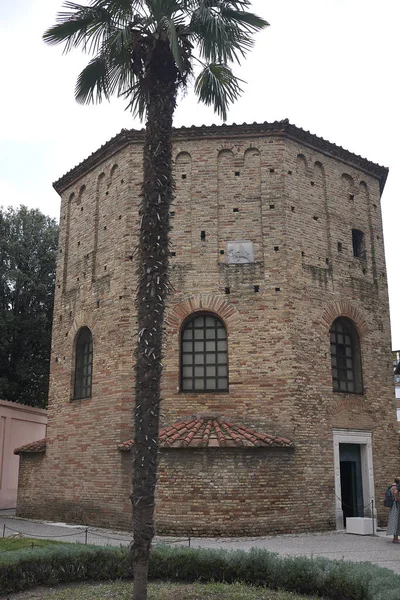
83	364
204	355
345	357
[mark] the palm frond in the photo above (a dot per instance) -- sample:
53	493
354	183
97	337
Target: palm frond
93	84
138	96
121	35
120	42
217	86
121	11
248	21
220	39
169	26
121	76
110	72
163	8
237	4
80	25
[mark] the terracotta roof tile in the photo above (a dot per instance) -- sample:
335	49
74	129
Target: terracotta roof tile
37	446
206	432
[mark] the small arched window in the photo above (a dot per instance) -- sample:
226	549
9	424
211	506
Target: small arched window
345	357
83	364
204	355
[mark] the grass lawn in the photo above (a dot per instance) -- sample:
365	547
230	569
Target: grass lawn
157	591
9	543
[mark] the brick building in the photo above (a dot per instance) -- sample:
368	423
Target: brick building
278	412
396	369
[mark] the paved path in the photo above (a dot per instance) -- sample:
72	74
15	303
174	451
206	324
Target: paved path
377	549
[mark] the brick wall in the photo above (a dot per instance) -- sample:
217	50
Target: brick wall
297	198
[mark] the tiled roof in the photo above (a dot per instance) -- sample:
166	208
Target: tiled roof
280	128
214	432
38	446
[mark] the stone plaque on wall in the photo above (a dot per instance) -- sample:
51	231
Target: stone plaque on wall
240	252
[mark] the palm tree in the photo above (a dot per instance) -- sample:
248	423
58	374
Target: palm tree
146	51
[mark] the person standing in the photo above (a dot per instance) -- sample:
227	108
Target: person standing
393	527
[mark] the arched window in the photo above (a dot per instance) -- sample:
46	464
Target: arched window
345	357
204	355
83	364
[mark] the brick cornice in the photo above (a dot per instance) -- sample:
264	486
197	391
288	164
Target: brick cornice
277	128
344	308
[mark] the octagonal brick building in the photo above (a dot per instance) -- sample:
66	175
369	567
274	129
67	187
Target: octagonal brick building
277	395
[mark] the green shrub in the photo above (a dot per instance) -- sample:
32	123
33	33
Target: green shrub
23	569
338	580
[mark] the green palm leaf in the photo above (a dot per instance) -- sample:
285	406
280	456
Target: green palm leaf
109	72
138	99
170	28
220	38
93	82
217	86
249	21
80	26
163	8
122	34
121	11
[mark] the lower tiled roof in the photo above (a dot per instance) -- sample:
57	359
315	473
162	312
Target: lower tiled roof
197	432
38	446
214	432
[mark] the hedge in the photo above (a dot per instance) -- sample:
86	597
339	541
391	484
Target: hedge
338	580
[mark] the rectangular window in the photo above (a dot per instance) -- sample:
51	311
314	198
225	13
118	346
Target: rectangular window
204	358
358	243
83	364
345	357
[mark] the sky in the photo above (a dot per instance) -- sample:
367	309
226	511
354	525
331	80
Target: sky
331	67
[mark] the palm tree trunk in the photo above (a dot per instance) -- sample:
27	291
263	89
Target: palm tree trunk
153	252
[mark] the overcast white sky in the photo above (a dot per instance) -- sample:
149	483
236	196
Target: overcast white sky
329	66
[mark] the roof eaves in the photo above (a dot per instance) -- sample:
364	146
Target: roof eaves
32	448
338	152
114	145
284	128
213	432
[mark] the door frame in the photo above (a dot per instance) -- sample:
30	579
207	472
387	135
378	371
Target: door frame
364	439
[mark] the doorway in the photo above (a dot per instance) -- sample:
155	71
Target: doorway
354	482
351	481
